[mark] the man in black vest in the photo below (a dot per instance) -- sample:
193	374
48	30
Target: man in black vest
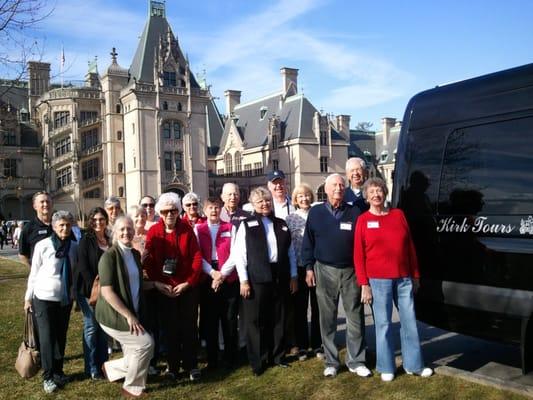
327	253
266	265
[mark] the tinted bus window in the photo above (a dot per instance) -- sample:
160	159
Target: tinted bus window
488	169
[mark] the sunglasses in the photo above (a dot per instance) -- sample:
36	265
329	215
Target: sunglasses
146	205
191	205
172	211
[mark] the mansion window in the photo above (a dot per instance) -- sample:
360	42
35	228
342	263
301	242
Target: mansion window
10	138
121	191
275	164
323	164
63	177
321	194
258	168
238	163
220	171
62	146
10	168
323	138
89	139
169	78
92	194
172	129
88	115
274	142
247	169
178	160
61	118
90	169
228	164
168	161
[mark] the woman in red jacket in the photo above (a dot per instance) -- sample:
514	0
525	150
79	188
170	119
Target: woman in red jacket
172	259
387	271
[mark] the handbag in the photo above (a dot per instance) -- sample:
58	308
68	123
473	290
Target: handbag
95	291
28	360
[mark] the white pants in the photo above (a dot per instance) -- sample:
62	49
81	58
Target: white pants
133	366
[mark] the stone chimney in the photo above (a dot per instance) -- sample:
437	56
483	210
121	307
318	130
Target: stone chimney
343	125
290	81
387	123
233	98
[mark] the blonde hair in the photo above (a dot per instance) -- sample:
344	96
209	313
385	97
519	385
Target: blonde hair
302	188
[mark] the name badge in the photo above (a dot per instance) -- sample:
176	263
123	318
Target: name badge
225	234
372	224
346	226
42	232
284	228
252	224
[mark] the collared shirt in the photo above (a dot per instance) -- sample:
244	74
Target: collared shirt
357	192
283	209
240	258
133	274
336	212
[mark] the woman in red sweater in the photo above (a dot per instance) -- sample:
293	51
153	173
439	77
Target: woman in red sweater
387	271
172	259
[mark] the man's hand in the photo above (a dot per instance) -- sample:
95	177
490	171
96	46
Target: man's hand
310	278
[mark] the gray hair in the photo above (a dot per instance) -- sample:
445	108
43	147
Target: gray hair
375	182
62	215
168	198
135	210
330	177
230	184
112	201
259	192
191	196
118	221
352	160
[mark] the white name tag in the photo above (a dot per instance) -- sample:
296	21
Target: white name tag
225	234
43	232
284	228
346	226
372	224
252	223
350	203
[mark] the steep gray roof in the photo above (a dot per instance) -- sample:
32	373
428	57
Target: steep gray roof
361	142
216	128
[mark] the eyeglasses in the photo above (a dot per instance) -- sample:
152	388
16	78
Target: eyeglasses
191	205
172	211
146	205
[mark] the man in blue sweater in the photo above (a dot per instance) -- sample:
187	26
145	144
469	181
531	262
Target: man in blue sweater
327	253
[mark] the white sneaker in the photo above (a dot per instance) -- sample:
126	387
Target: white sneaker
425	373
49	386
387	377
361	371
330	372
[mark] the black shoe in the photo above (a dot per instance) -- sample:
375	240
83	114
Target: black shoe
258	371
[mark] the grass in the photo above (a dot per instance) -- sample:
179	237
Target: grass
302	381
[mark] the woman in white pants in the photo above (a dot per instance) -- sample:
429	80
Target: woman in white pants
120	310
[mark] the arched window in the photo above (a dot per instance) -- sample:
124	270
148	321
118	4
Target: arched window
120	167
237	158
119	135
177	129
172	129
228	163
321	194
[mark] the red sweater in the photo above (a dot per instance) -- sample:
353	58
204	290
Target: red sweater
181	245
383	247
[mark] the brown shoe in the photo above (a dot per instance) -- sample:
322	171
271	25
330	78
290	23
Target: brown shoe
129	395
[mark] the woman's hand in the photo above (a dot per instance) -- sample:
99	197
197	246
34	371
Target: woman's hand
246	290
27	306
164	288
179	289
293	285
310	278
366	294
135	326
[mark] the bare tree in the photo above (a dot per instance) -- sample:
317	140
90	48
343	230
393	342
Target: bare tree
18	39
364	126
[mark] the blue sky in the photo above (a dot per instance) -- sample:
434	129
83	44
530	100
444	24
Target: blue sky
362	58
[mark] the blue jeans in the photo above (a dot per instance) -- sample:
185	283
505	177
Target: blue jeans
385	293
94	339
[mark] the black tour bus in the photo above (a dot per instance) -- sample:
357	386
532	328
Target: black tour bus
464	178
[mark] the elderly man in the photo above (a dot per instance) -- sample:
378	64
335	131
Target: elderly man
113	208
327	254
281	201
38	229
231	212
357	174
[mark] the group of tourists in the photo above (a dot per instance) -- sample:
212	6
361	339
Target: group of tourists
168	274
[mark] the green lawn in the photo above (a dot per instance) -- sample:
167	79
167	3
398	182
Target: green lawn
302	381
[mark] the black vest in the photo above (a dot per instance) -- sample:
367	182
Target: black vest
260	270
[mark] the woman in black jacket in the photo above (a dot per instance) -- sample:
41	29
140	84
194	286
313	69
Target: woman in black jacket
92	246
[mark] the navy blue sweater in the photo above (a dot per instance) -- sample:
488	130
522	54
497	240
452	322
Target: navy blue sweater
328	239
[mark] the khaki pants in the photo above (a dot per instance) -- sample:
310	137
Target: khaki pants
133	366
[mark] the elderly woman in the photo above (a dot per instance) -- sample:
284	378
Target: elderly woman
92	246
138	215
266	265
302	198
191	205
120	310
50	292
113	209
173	261
387	271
